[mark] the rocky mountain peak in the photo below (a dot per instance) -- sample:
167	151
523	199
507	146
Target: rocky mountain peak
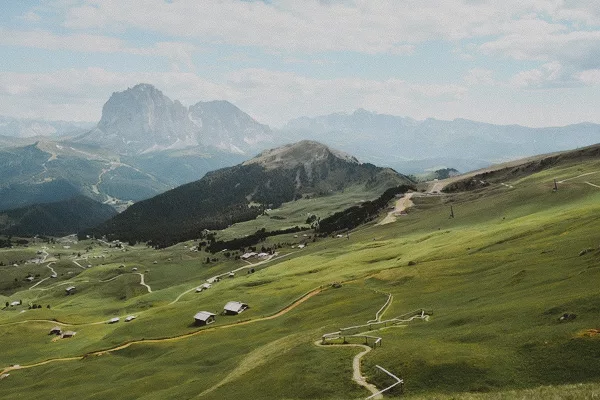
305	152
142	119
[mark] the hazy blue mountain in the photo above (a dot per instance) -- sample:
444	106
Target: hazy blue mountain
398	141
225	127
26	128
49	171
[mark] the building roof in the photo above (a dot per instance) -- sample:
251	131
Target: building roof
70	288
15	303
235	306
129	318
203	316
69	333
113	320
56	328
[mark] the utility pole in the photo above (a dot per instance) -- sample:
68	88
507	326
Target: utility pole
451	212
555	186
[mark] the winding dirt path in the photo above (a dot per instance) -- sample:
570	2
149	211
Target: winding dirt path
591	184
52	269
356	374
272	257
144	283
401	205
125	345
45	279
383	309
578	176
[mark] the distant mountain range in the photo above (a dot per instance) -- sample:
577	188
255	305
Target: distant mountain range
26	128
146	143
412	146
243	192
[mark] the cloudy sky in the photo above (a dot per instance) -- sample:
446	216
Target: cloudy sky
529	62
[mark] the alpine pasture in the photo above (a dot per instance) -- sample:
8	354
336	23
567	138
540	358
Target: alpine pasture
495	280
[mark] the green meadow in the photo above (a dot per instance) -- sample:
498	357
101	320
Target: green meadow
495	279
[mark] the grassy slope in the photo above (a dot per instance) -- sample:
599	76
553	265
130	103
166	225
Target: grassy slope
497	278
295	213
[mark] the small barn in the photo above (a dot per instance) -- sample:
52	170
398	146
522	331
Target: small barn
202	287
114	320
204	318
130	318
234	308
55	331
68	334
70	290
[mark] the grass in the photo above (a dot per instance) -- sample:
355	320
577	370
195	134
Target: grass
295	213
497	278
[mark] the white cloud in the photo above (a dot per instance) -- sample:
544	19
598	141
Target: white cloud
548	75
79	94
294	95
180	53
31	17
578	48
479	76
274	97
590	77
390	26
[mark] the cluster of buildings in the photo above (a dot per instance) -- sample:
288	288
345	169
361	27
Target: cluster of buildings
232	308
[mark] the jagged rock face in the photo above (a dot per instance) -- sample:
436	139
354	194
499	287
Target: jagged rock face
142	119
228	128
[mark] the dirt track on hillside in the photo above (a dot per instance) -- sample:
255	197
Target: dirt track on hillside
356	374
280	313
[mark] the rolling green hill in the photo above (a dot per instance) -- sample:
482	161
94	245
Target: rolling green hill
243	192
495	281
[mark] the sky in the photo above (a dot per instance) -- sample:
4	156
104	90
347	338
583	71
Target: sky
527	62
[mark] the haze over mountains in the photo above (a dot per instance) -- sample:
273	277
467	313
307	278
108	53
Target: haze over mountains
410	145
146	143
26	128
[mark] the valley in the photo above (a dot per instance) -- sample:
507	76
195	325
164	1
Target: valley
493	282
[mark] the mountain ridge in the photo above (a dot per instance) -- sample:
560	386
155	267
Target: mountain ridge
56	218
141	119
243	192
470	143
